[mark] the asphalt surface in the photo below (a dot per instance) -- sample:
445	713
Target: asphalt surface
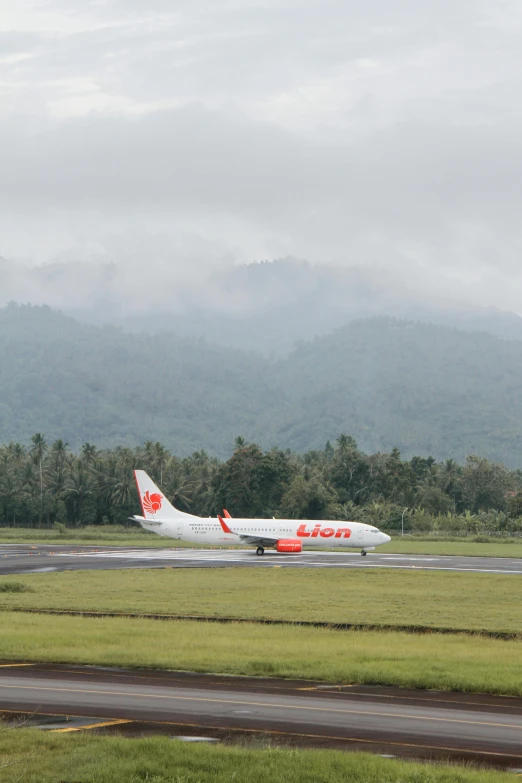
40	558
418	723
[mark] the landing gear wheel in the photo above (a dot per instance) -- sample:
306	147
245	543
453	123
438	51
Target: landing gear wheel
260	551
363	553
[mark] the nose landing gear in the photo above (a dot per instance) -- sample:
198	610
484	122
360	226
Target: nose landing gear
363	553
260	551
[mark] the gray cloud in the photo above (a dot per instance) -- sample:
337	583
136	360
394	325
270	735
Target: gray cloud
383	134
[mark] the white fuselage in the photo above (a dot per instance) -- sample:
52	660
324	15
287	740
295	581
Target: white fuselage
316	533
285	535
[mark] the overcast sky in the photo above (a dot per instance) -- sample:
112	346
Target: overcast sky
383	133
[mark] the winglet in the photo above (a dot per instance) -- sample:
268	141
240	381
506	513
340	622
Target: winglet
226	514
224	525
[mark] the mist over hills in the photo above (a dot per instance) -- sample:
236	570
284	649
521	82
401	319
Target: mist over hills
264	306
425	388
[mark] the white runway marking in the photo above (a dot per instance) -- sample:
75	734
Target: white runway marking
454	568
203	554
194	554
156	552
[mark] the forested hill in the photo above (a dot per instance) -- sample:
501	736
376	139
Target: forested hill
425	389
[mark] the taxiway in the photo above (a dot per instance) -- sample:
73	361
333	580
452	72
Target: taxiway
418	723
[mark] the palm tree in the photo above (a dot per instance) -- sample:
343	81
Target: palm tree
29	479
58	463
199	470
449	474
158	457
148	455
342	442
179	489
16	454
311	465
89	453
345	442
428	481
122	487
352	512
38	450
10	489
78	486
105	474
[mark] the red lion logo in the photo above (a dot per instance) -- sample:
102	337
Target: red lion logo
151	503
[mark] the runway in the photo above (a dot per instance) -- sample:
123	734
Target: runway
41	558
400	722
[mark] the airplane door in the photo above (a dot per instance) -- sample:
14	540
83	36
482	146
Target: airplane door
360	533
179	530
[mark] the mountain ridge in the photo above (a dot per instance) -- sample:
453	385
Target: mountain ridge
429	390
265	306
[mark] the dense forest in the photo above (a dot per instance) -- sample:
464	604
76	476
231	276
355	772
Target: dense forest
47	484
427	390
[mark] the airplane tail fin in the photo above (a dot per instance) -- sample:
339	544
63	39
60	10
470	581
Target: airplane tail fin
153	502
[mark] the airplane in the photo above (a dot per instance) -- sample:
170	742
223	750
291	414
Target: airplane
284	535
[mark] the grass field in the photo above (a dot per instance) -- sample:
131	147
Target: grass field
445	662
47	758
463	601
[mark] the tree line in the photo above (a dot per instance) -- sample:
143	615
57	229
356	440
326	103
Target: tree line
46	483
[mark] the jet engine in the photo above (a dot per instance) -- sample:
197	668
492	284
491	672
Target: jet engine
289	545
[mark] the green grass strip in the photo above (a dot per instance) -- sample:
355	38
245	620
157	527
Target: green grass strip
47	758
305	623
454	662
422	599
106	535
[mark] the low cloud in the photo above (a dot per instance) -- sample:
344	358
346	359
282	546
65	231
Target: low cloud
383	136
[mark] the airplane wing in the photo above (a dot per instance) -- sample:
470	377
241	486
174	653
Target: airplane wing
251	540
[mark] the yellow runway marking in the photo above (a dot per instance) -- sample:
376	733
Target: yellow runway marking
266	704
300	734
332	689
115	722
346	739
11	665
315	688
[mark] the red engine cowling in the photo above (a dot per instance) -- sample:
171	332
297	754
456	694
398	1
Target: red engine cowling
289	545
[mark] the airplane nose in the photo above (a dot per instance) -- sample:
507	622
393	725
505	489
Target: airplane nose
385	538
